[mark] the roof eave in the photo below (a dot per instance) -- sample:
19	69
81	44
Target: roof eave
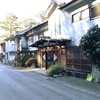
70	4
49	9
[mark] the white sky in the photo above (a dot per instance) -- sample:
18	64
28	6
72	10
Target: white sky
22	8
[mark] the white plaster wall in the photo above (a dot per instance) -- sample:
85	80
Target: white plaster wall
60	25
66	29
82	26
35	38
53	24
11	56
9	47
46	33
24	42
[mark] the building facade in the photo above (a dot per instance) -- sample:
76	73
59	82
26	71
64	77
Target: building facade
70	21
56	40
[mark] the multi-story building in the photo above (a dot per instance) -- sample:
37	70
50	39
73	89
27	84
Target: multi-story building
67	23
16	44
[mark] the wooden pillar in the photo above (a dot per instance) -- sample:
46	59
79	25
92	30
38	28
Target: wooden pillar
46	60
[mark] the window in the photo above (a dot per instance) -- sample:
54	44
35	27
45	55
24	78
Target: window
95	11
85	13
80	15
76	17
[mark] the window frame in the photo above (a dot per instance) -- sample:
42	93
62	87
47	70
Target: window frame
80	18
91	18
74	15
90	13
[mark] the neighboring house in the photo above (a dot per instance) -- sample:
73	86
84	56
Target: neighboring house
22	41
10	49
16	44
36	34
51	50
2	52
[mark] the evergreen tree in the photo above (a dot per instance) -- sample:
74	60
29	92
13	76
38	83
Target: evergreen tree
10	24
90	45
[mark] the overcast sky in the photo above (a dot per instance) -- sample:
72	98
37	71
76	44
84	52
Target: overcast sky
22	8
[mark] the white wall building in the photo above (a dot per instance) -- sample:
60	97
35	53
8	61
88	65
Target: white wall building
73	19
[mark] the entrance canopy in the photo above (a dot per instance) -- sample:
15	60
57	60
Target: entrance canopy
42	43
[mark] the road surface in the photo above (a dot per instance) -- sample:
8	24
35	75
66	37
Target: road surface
16	84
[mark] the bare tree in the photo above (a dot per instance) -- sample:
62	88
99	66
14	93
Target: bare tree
38	17
26	23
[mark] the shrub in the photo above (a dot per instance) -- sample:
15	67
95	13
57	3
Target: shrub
30	61
90	45
11	62
18	60
24	59
21	60
54	70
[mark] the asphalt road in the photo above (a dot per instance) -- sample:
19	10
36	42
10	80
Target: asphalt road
16	84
